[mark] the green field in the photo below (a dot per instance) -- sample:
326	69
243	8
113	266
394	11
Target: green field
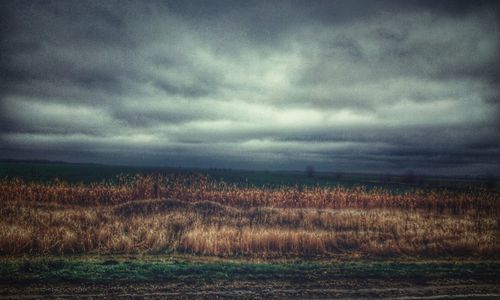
88	173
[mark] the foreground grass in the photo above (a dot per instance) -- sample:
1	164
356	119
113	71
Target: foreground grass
54	269
194	215
166	226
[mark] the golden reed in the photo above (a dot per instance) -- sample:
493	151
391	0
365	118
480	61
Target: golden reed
192	214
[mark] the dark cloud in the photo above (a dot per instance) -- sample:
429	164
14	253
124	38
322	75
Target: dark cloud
376	86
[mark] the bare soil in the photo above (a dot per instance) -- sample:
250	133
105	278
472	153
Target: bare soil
263	289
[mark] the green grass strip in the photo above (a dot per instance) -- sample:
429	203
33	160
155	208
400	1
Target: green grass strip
67	270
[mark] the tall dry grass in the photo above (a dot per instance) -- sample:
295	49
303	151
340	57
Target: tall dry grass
194	215
193	188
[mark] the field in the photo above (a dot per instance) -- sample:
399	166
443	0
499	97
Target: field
158	226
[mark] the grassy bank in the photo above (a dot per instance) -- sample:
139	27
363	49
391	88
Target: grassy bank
99	270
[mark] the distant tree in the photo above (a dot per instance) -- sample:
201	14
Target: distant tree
387	177
409	177
339	175
156	187
310	171
34	175
490	180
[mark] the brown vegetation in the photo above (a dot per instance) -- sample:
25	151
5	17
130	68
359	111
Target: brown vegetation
191	214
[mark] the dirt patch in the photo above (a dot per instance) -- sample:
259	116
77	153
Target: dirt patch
258	289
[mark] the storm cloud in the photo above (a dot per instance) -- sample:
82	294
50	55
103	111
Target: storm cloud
366	86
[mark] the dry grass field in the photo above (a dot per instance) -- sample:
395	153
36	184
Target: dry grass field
192	214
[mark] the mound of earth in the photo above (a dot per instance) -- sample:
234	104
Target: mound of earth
152	206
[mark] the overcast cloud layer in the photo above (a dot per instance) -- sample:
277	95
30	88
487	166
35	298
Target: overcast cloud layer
370	86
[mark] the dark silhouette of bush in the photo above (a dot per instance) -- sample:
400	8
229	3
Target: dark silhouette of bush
310	171
490	181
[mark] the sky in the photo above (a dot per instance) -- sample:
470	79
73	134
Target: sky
350	86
